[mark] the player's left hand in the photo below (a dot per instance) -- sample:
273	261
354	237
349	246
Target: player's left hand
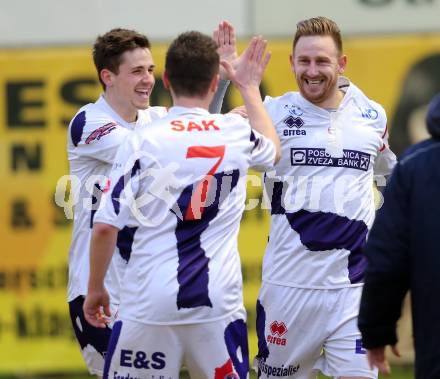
224	36
377	358
251	65
97	308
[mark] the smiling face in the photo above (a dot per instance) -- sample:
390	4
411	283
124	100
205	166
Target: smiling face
317	65
130	88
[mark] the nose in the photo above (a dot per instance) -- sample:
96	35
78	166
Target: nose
312	69
148	77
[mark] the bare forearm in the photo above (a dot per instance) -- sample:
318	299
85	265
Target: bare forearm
258	116
102	245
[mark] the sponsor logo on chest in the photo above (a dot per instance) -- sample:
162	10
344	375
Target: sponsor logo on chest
293	122
318	157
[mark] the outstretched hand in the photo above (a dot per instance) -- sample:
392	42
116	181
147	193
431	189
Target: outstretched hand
377	358
97	309
249	69
224	36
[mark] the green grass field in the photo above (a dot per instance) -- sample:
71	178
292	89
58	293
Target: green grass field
398	372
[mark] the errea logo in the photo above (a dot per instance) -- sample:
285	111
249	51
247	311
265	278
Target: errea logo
277	331
294	124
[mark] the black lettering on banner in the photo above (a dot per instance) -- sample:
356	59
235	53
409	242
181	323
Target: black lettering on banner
20	218
71	93
59	218
38	322
26	157
17	106
23	279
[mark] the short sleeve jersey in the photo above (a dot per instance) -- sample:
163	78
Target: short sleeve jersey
321	191
184	181
94	135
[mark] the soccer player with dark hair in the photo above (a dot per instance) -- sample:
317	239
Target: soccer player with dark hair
184	182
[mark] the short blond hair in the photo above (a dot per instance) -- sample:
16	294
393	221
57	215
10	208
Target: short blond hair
319	26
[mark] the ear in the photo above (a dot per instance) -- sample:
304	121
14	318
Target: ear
342	63
291	62
214	83
106	76
166	81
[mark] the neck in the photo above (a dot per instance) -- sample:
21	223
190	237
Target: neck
191	102
120	107
332	102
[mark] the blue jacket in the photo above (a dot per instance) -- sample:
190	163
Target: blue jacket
403	253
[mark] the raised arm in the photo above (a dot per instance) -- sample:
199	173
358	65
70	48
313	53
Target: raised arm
224	37
247	76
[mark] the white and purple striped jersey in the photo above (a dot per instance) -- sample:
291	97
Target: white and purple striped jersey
94	135
184	182
321	191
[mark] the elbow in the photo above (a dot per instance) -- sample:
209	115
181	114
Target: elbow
277	150
277	156
101	230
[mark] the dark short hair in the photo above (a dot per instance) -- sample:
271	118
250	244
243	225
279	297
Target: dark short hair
109	47
319	26
191	63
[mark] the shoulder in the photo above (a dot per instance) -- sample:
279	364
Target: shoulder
288	97
370	109
91	123
156	112
427	150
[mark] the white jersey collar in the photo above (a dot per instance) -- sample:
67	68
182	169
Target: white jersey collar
177	110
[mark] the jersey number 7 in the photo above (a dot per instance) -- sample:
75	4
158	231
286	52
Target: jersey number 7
198	198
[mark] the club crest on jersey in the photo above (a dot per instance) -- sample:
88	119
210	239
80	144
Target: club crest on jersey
294	125
100	132
294	110
369	113
277	330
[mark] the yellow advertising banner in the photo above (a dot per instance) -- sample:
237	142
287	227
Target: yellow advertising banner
40	91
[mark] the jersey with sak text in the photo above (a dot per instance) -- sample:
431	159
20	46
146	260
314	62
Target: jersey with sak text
185	183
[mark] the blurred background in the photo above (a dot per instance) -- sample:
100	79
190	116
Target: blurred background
46	74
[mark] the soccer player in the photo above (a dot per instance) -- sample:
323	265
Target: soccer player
183	180
333	139
125	69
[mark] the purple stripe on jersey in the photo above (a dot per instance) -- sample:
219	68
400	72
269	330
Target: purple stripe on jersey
96	200
116	331
263	350
254	139
235	337
357	263
77	127
123	180
320	231
193	270
125	241
277	192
